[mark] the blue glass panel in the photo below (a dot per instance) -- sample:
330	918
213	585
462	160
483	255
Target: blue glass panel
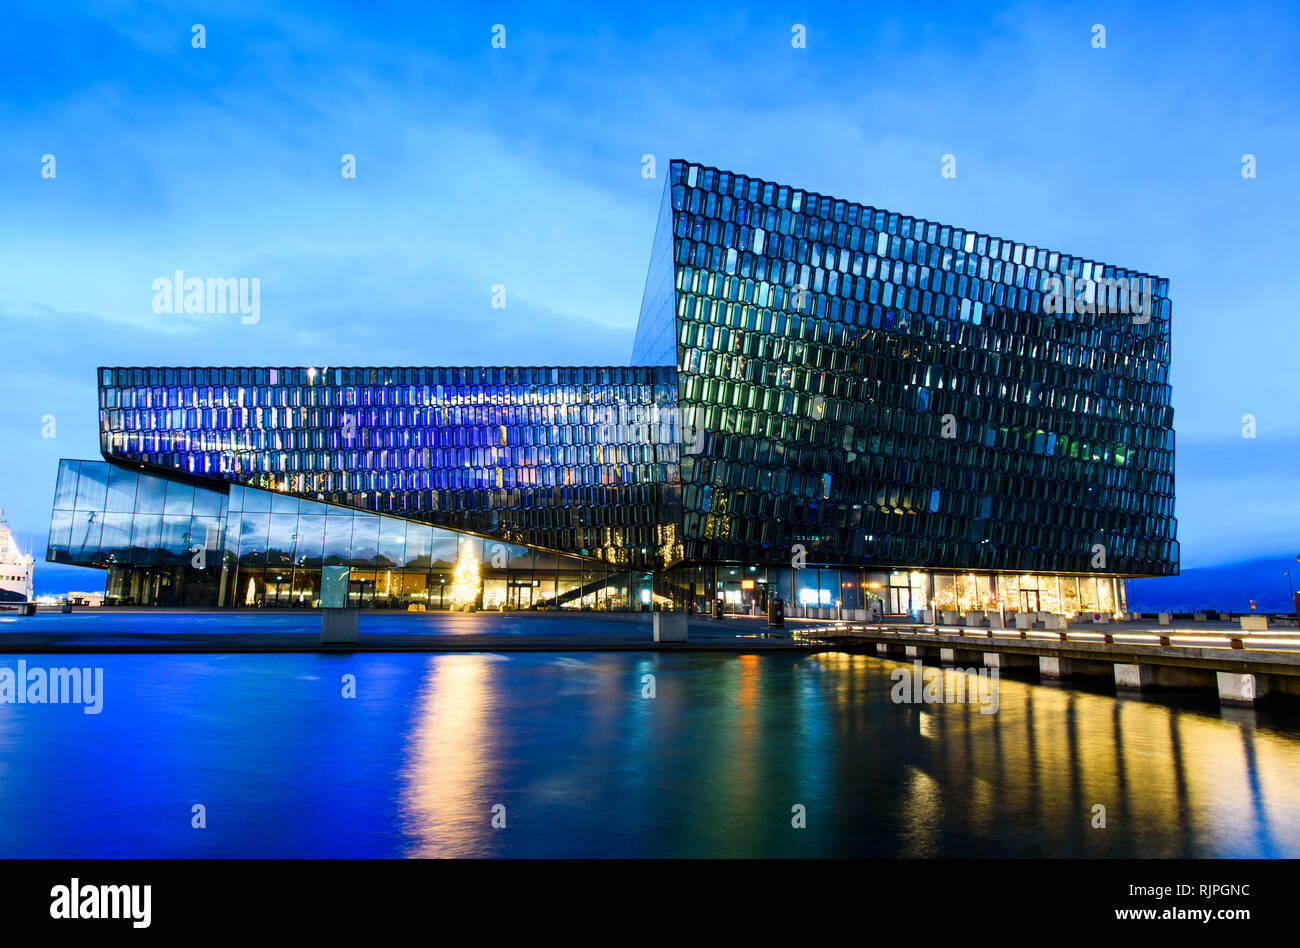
207	503
83	543
175	539
283	535
65	489
146	535
253	530
60	535
392	542
309	549
365	540
419	545
116	539
150	494
122	483
180	499
92	486
338	539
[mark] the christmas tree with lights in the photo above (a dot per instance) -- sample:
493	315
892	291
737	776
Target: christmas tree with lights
465	583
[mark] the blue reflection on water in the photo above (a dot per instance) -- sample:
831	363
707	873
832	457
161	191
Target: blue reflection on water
585	765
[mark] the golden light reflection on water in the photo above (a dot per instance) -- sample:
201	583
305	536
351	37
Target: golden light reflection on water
1178	781
713	764
922	815
451	761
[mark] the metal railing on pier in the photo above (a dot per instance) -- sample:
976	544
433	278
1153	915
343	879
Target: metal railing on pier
1272	639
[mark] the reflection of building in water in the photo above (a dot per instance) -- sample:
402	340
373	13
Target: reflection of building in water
1173	783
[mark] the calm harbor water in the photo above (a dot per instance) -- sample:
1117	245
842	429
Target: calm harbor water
587	766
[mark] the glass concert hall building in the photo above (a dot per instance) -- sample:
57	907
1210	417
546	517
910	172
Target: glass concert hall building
839	405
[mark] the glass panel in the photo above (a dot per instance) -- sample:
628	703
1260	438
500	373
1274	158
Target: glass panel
967	593
365	539
146	535
945	592
388	587
415	585
175	539
470	546
151	494
206	532
306	586
805	588
338	539
392	542
1105	595
445	547
1070	595
494	593
439	584
920	590
115	541
1088	593
419	545
279	587
361	589
284	504
180	499
60	535
253	531
310	547
92	487
65	489
256	501
83	543
1048	598
280	542
250	588
207	503
122	483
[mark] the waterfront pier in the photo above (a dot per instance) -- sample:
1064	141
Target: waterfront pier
1242	665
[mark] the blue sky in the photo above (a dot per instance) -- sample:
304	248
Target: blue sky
522	166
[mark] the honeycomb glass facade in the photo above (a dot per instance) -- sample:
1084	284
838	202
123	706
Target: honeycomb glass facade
875	389
582	460
832	403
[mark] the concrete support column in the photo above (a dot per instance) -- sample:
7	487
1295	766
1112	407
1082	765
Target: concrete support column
1242	689
670	626
338	626
338	622
1005	660
1135	677
1050	666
